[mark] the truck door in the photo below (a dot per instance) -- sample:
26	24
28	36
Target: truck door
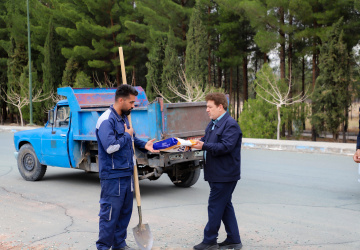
54	143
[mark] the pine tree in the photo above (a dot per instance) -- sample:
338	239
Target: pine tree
151	27
94	34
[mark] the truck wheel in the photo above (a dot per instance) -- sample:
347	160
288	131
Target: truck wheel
29	165
187	179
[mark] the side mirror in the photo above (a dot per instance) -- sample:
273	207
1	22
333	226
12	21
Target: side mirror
51	117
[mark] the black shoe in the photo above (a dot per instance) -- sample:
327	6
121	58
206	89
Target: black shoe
203	246
228	245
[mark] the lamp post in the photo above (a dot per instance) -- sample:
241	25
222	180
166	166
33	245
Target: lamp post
30	72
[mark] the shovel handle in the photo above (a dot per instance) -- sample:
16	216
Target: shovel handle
136	175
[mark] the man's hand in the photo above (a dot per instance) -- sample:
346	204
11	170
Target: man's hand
357	156
130	131
149	146
198	145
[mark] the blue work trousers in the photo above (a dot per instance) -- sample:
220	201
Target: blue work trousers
116	203
220	209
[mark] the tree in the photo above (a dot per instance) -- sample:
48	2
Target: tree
188	90
258	119
197	49
171	67
93	33
154	20
332	98
18	93
275	91
154	66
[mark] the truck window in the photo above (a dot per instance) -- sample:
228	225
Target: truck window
62	116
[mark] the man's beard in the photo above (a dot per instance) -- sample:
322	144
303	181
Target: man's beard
126	112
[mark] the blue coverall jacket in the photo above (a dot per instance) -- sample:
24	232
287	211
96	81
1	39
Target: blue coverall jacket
115	150
222	145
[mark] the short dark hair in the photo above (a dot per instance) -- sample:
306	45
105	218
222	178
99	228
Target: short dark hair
125	91
218	98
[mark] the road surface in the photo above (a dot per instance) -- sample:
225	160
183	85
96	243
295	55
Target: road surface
285	200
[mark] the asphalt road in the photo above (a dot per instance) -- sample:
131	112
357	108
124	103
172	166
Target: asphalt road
285	200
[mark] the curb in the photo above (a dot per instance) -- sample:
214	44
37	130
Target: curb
347	149
17	128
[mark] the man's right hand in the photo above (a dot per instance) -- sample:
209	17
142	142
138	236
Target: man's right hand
357	156
130	130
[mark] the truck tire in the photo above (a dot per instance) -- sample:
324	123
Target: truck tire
188	179
29	166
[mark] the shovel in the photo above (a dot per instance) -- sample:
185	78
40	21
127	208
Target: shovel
142	234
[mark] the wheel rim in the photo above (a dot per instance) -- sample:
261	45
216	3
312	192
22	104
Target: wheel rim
29	162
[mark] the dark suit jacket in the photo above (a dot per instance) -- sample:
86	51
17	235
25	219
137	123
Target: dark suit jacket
223	146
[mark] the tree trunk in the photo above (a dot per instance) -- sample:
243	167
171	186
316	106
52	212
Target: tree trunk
290	48
133	76
225	81
219	68
314	76
214	67
21	117
282	55
345	127
231	85
279	122
303	91
245	78
238	94
209	50
282	43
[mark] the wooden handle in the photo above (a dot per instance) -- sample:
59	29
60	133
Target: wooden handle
136	176
122	63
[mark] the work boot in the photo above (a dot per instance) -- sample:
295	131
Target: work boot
203	246
228	245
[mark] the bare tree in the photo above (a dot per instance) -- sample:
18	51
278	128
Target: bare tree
107	82
271	89
188	90
54	98
19	101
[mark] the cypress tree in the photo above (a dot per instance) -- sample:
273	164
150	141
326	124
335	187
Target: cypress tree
332	97
154	66
171	66
197	49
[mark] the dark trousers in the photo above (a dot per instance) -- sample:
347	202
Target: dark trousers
116	203
220	209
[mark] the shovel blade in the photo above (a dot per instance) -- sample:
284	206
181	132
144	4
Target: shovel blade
143	236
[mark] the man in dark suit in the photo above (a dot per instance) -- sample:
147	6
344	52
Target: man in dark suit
221	145
357	153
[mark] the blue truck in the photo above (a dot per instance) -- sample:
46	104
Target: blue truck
68	139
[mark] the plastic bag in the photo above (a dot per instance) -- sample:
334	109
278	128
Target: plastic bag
174	144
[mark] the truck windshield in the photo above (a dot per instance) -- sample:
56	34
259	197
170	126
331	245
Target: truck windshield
62	116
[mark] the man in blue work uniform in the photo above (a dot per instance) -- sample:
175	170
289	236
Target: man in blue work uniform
221	145
116	165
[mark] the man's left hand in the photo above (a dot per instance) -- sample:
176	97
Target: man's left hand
149	146
198	145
